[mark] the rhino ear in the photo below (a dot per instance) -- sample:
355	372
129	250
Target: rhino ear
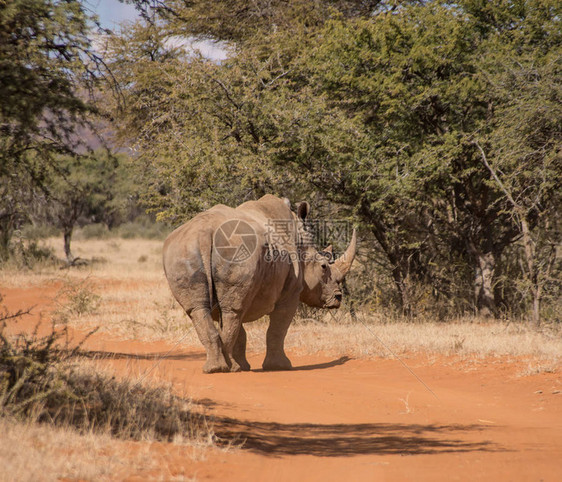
303	209
328	250
287	202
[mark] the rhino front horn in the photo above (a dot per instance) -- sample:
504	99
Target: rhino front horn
343	263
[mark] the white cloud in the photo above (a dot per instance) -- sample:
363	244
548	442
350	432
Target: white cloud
112	13
216	51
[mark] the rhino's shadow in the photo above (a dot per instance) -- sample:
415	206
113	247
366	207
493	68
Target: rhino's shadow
336	440
178	355
329	440
315	366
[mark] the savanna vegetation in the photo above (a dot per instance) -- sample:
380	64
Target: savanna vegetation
93	400
433	126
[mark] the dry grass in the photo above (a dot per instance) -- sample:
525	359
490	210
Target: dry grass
135	303
124	292
59	418
41	381
33	452
30	452
82	410
132	260
370	337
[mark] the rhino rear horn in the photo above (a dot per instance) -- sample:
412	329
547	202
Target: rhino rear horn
343	263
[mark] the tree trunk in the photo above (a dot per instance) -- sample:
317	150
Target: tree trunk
484	284
400	259
6	231
67	238
528	243
529	246
401	282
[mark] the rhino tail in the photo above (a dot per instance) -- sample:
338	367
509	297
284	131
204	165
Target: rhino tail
207	259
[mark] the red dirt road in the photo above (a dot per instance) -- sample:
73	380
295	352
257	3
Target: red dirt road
344	419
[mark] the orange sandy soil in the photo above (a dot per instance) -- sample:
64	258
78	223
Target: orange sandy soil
346	419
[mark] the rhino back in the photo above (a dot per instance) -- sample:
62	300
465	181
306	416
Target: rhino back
251	286
254	286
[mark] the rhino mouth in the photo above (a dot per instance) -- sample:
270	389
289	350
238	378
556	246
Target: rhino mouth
334	301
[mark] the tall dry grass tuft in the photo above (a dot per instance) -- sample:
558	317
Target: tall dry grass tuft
373	336
39	382
76	299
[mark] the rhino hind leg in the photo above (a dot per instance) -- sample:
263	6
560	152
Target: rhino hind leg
211	340
239	351
279	321
231	328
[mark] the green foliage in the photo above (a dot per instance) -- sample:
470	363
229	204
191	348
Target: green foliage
86	188
44	50
80	186
92	231
240	21
142	227
386	116
26	252
30	254
38	231
46	68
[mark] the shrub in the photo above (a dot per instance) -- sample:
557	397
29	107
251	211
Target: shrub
36	232
38	381
79	299
29	254
143	227
93	231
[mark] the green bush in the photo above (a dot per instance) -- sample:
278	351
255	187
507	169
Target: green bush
24	254
36	232
93	231
142	227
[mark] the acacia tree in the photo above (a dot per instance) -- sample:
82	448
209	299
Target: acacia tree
46	62
81	188
522	150
427	83
378	114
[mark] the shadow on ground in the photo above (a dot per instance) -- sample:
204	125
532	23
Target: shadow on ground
171	355
175	355
338	440
316	366
333	440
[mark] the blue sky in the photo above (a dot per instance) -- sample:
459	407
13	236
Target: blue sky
111	12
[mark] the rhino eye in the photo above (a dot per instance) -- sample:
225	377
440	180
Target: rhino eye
324	266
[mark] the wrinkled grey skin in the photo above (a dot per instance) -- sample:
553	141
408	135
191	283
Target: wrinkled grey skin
211	289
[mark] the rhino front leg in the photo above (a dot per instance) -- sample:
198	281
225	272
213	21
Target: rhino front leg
211	340
279	321
239	352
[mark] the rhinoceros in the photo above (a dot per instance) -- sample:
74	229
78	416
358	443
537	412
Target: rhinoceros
236	265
